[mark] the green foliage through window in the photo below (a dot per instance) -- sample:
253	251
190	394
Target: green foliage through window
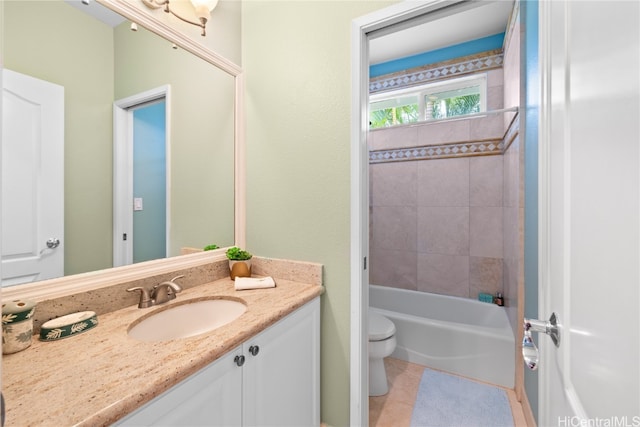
456	106
394	116
432	101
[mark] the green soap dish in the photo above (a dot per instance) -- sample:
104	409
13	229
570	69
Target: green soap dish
68	326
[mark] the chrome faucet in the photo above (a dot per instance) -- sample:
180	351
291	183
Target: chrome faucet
159	294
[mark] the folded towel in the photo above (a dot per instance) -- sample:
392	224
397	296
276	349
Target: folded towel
242	283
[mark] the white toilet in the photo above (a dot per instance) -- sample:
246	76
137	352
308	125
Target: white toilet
382	342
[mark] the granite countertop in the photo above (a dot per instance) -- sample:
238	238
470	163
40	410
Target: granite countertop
101	375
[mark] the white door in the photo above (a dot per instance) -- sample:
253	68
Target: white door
32	179
589	212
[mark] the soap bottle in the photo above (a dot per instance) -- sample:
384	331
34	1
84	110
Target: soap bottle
498	300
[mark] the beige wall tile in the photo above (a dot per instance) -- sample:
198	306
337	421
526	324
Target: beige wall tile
485	275
486	181
512	69
511	232
394	137
443	182
443	132
393	184
489	127
396	269
495	98
394	227
443	274
443	230
512	180
495	77
485	232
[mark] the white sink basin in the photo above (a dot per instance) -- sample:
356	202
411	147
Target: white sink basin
187	319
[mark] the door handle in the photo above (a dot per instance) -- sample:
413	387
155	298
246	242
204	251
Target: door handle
51	243
530	351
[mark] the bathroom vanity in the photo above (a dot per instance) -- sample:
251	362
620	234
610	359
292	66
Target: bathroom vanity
262	368
271	379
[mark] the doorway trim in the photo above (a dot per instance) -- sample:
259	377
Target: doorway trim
123	167
361	30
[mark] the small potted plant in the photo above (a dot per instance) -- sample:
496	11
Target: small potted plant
239	262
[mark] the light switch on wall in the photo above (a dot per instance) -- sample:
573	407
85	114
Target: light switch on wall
137	203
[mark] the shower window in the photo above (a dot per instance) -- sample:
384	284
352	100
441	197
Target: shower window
450	98
395	111
451	103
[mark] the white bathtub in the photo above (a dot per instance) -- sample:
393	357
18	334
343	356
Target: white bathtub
453	334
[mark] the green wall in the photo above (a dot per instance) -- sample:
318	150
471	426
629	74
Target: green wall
54	42
296	57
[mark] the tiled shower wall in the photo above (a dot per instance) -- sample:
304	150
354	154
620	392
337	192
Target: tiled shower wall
448	225
513	231
453	225
513	192
437	225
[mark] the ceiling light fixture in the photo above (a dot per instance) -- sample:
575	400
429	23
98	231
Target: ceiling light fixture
202	9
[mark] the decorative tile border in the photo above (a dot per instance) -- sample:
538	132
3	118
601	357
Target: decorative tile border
415	76
427	152
487	147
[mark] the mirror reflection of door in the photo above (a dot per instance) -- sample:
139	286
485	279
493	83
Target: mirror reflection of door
141	177
32	179
149	182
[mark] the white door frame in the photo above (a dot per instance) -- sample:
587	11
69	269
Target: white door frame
361	30
123	170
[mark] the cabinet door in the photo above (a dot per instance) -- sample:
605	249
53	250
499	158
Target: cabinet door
210	397
281	383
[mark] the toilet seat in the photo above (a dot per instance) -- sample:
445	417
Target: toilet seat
380	328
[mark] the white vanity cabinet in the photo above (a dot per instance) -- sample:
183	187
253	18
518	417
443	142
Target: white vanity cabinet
271	379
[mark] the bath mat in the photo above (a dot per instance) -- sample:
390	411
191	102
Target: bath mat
446	400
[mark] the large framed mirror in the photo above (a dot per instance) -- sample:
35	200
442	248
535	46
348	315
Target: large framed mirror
107	73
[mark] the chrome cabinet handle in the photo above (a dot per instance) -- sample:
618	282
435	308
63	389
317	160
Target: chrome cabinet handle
530	351
239	360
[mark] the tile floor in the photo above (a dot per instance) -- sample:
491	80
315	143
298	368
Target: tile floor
394	409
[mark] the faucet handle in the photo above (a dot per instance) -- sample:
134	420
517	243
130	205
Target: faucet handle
145	298
176	278
172	286
165	291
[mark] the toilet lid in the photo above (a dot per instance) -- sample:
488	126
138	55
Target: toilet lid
380	328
